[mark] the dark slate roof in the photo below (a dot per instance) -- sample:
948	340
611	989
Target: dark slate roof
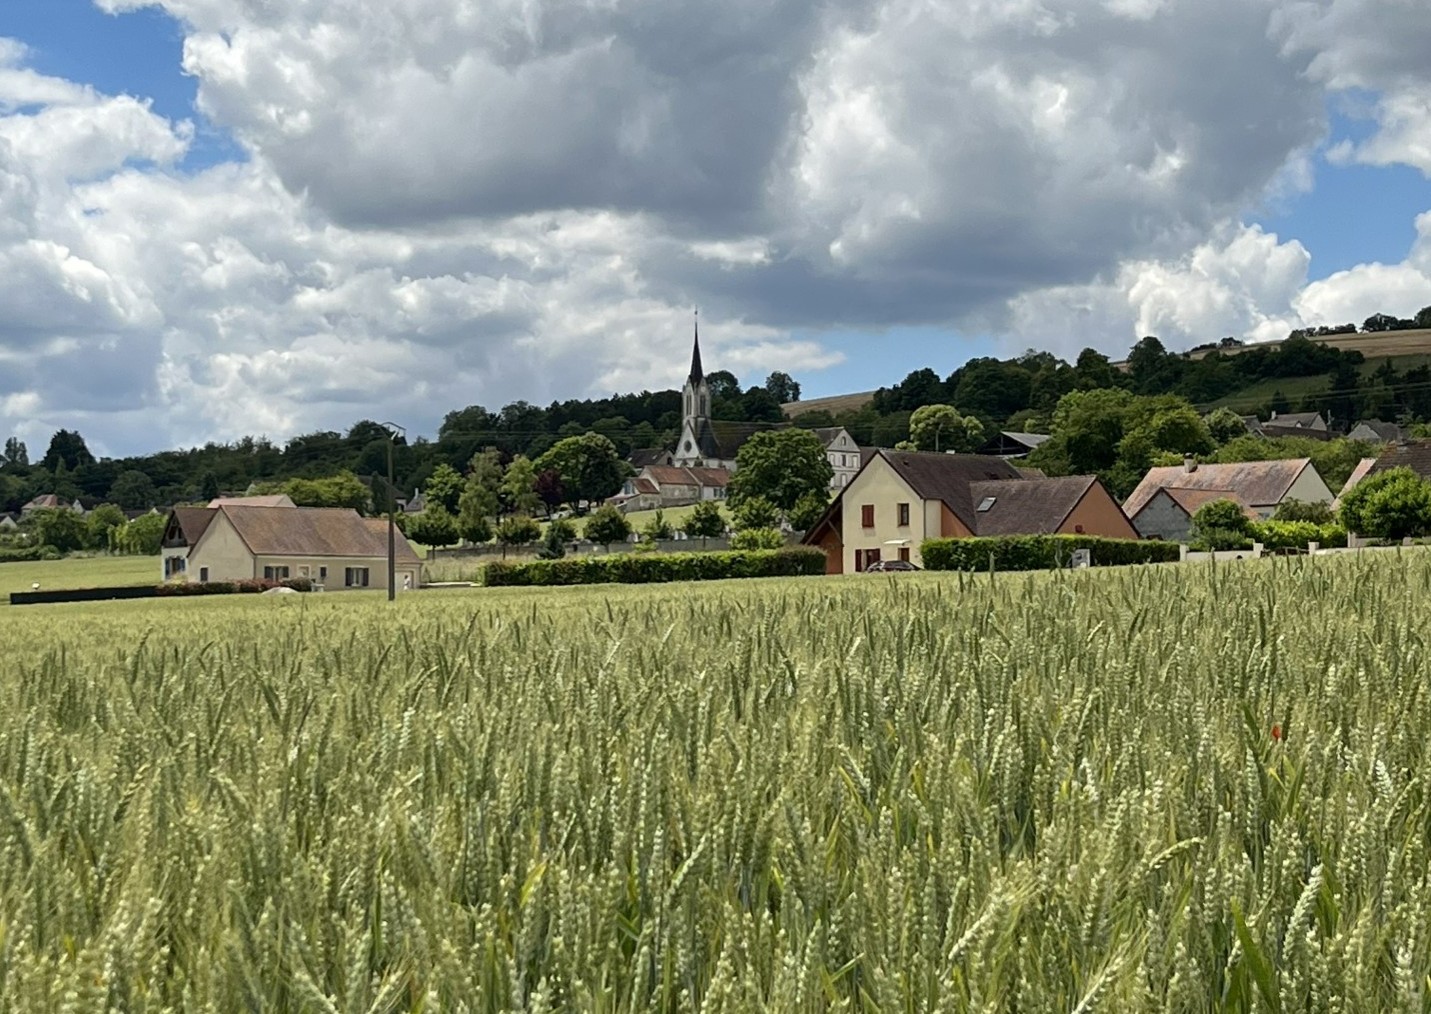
720	439
1388	433
643	456
1414	454
1026	506
1276	429
697	374
947	477
1296	420
1256	483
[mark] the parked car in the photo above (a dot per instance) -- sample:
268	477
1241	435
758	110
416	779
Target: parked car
885	566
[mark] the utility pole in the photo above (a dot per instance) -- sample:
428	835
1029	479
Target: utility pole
393	430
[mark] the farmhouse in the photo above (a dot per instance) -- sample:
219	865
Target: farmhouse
672	486
334	547
1260	486
900	498
1169	511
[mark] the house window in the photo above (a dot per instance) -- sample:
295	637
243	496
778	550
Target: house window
322	573
904	553
903	515
275	573
203	574
985	505
865	557
867	515
355	577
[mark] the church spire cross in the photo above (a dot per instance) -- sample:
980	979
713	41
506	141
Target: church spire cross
697	374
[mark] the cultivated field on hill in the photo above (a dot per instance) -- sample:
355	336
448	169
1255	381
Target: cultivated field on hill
1160	789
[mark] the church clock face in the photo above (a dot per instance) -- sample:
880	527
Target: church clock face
688	447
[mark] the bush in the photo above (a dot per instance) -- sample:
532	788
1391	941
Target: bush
1277	534
1041	552
247	586
1317	512
757	538
518	530
30	554
607	525
653	568
1388	505
658	529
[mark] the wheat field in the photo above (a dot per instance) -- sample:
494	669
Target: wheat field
1173	788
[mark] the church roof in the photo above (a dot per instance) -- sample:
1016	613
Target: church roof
697	374
720	439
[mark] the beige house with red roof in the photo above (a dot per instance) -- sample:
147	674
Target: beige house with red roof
1163	504
673	486
332	546
900	498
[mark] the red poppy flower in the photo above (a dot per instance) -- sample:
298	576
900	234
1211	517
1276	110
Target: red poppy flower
1277	733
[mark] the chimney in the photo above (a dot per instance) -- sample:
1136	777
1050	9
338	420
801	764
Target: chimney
1189	463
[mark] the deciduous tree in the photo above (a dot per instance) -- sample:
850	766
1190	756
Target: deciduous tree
588	465
780	466
607	525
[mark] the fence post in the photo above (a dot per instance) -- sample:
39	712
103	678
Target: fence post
1182	552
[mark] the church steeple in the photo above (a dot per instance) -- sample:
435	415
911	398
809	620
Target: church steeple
697	374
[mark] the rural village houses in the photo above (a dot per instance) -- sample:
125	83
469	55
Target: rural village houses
900	498
1163	504
268	537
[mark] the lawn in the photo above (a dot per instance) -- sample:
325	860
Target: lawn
1169	788
79	572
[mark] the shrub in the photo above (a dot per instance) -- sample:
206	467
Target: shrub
1389	505
518	530
248	586
1221	525
705	521
757	538
1318	513
658	529
756	512
652	568
29	554
553	545
607	525
1276	534
1040	552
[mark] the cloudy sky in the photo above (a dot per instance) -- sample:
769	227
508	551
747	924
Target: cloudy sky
244	216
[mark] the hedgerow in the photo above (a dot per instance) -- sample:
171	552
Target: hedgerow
1040	552
634	568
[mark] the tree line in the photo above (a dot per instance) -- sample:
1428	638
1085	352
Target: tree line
981	397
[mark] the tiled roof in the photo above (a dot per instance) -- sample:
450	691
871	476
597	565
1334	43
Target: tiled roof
677	475
193	522
1026	506
1276	429
1361	471
1256	483
1414	454
310	531
46	501
710	476
402	549
644	485
947	477
272	500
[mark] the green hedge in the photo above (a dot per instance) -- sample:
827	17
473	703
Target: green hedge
30	554
248	585
633	568
1296	534
1041	552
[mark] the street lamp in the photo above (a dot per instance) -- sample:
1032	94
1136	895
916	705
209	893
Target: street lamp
394	431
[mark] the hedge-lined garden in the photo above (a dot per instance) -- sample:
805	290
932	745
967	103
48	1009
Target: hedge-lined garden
639	568
1040	552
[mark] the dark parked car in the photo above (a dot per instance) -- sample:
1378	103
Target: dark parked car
885	566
